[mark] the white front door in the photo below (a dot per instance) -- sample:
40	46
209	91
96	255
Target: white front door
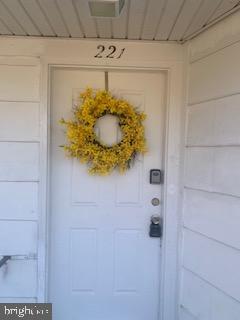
103	264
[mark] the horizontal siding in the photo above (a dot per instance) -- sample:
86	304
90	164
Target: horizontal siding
213	169
205	302
19	83
19	279
214	122
25	204
211	240
213	261
19	161
215	76
199	168
196	295
26	241
19	177
19	114
185	315
214	215
224	33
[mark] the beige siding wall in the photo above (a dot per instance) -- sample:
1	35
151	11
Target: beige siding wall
210	280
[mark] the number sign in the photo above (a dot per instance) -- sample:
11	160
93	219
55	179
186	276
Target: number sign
111	52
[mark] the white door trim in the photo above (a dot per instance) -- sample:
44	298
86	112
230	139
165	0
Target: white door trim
172	187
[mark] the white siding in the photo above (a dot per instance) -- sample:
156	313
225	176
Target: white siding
25	204
26	241
206	301
19	113
19	279
19	161
19	83
213	215
210	279
215	262
19	177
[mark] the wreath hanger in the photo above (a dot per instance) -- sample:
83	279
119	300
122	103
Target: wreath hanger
106	80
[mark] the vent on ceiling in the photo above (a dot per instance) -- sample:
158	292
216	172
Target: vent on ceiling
106	8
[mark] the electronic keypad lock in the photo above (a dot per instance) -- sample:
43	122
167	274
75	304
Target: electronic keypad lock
156	227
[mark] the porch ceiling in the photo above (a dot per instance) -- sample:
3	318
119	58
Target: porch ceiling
140	19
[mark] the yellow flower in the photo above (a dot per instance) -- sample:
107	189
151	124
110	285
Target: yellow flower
83	143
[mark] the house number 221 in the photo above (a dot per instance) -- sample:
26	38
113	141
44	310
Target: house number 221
110	52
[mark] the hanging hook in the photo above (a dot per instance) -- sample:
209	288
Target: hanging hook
106	80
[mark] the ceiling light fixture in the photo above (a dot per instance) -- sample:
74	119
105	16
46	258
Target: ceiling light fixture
106	8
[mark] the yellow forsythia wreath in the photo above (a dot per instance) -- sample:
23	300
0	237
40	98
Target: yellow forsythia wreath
83	143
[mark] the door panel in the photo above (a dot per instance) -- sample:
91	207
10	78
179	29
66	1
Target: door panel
103	264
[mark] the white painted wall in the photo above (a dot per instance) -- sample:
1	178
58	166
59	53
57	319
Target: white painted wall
210	278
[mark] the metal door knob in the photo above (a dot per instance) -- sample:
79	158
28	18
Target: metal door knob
155	219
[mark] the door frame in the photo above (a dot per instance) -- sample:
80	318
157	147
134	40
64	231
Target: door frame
170	251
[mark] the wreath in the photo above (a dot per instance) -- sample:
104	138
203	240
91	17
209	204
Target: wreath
83	143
